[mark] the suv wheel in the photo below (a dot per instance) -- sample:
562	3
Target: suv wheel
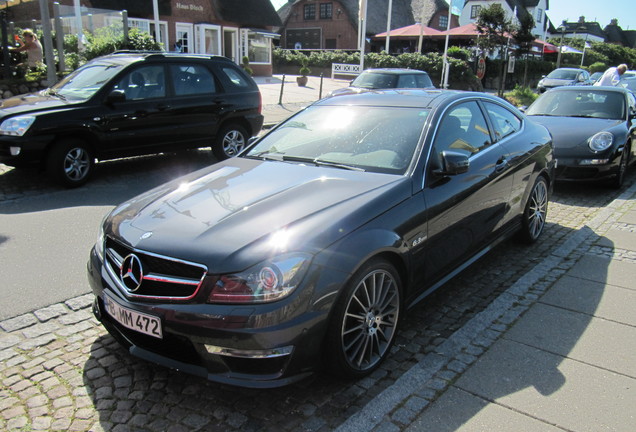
70	162
229	142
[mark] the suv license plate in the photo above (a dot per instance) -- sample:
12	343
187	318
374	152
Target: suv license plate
143	323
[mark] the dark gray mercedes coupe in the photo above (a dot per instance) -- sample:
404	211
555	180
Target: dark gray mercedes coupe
309	247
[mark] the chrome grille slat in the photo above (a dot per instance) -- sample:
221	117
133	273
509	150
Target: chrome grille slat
164	278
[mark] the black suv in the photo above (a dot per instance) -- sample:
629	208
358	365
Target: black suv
131	103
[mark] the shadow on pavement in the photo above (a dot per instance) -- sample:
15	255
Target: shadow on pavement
112	182
531	378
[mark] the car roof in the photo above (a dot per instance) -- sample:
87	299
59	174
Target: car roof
407	98
588	88
567	68
126	57
395	71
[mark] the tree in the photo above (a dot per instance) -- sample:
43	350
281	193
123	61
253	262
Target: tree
495	30
524	38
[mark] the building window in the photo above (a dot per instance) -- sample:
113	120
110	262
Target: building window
474	11
326	10
443	21
539	15
259	48
310	12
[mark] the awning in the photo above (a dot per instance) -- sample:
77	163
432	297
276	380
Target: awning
264	33
409	31
569	50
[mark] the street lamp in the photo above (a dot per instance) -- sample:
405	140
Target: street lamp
562	29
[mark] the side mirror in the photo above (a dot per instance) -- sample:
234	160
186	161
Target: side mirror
116	96
453	163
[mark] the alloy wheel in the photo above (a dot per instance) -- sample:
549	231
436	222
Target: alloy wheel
76	164
370	320
537	209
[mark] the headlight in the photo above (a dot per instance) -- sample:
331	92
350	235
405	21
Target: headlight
99	244
16	126
265	282
601	141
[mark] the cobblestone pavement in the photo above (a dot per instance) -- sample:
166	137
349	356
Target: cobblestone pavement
60	370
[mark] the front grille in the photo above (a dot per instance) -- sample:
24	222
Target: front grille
160	277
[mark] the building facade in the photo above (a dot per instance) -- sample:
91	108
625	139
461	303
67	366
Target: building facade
234	29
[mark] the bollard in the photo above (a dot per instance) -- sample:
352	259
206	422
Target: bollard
320	92
282	85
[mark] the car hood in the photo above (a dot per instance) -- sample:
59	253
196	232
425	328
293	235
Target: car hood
570	134
27	103
226	216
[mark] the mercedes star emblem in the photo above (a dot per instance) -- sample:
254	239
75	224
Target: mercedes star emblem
131	273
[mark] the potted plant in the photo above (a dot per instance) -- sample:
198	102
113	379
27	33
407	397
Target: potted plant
304	71
246	66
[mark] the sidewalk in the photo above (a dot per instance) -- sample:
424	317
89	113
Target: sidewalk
277	107
549	356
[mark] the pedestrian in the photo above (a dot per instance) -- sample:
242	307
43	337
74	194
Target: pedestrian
612	76
32	46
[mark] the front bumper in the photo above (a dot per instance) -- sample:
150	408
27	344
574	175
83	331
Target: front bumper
258	346
575	169
30	149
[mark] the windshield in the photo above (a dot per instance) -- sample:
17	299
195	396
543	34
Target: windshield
377	80
580	103
85	81
376	139
563	74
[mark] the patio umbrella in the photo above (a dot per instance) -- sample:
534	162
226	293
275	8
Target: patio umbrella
410	31
569	50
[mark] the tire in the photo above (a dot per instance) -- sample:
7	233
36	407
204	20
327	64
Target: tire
617	182
363	326
229	142
70	162
535	212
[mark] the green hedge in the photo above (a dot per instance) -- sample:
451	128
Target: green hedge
461	72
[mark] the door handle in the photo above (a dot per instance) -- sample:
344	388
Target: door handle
163	107
501	165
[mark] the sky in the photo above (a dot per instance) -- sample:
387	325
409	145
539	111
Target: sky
601	11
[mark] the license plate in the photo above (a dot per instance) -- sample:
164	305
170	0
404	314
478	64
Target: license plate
141	322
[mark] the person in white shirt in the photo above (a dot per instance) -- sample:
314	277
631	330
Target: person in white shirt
612	76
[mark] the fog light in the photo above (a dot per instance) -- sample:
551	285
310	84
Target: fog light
593	161
15	151
231	352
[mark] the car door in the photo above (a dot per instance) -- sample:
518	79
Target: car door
137	123
464	210
195	106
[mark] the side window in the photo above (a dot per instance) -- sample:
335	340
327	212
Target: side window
463	129
192	79
632	102
504	121
146	82
406	81
234	77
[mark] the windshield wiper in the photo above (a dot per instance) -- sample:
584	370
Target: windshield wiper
318	162
52	92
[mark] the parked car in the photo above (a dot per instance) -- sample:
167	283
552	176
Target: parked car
595	77
629	74
313	243
388	78
593	130
131	103
628	83
564	77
